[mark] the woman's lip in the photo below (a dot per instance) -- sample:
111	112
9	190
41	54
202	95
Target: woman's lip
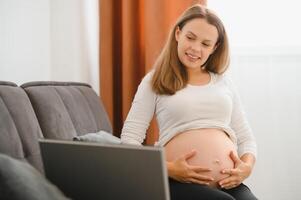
193	57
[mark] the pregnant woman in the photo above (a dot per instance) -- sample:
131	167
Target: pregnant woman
210	149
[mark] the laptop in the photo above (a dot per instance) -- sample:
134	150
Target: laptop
88	171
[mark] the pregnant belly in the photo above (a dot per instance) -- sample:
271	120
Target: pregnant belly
213	147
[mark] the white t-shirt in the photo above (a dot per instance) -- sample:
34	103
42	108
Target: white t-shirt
214	105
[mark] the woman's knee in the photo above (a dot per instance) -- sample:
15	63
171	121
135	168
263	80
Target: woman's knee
241	192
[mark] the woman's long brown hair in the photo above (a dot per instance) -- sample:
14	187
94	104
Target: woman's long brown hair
169	73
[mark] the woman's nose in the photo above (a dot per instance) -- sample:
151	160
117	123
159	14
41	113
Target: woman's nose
197	47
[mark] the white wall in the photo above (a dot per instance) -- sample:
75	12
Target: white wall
270	89
24	40
49	40
257	22
74	41
266	67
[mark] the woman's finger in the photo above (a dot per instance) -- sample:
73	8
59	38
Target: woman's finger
234	157
230	171
231	185
198	169
228	181
189	155
201	177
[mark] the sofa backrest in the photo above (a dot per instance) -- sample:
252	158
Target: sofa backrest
19	128
67	109
54	110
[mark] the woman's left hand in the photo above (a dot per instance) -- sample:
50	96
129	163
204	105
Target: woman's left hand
237	175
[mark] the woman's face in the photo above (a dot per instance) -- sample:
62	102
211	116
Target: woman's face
196	41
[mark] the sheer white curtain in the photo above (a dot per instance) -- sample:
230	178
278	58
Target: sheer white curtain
49	40
24	40
74	41
266	67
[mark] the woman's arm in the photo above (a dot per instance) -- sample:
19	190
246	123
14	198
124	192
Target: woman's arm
247	149
140	114
240	125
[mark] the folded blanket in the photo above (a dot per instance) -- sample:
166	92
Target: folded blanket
101	136
20	181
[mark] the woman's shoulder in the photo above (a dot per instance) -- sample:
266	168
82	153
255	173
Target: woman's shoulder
146	82
147	79
148	76
224	78
145	87
220	77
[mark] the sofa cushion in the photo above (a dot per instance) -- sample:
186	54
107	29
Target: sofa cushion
67	109
20	181
19	128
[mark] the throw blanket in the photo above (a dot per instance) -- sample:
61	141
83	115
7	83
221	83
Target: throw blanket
101	136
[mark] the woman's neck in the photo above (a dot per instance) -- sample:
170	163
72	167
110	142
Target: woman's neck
198	76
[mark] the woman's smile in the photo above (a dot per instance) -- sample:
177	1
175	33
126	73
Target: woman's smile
191	57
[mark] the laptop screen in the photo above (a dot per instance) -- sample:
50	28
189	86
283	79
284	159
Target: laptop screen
100	171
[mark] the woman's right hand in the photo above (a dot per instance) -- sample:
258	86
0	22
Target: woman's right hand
181	171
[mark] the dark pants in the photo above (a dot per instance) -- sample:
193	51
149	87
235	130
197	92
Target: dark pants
190	191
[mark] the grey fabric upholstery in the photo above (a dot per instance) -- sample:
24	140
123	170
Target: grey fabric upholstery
56	110
66	109
19	128
20	181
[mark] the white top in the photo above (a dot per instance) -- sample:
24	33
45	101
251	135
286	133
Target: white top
214	105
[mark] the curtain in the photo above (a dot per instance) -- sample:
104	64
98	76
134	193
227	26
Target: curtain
132	33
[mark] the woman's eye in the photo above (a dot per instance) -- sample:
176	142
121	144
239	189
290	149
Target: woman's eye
189	38
206	45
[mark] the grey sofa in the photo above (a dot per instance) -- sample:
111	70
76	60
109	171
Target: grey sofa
54	110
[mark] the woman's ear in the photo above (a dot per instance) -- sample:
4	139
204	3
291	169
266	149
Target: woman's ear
177	33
